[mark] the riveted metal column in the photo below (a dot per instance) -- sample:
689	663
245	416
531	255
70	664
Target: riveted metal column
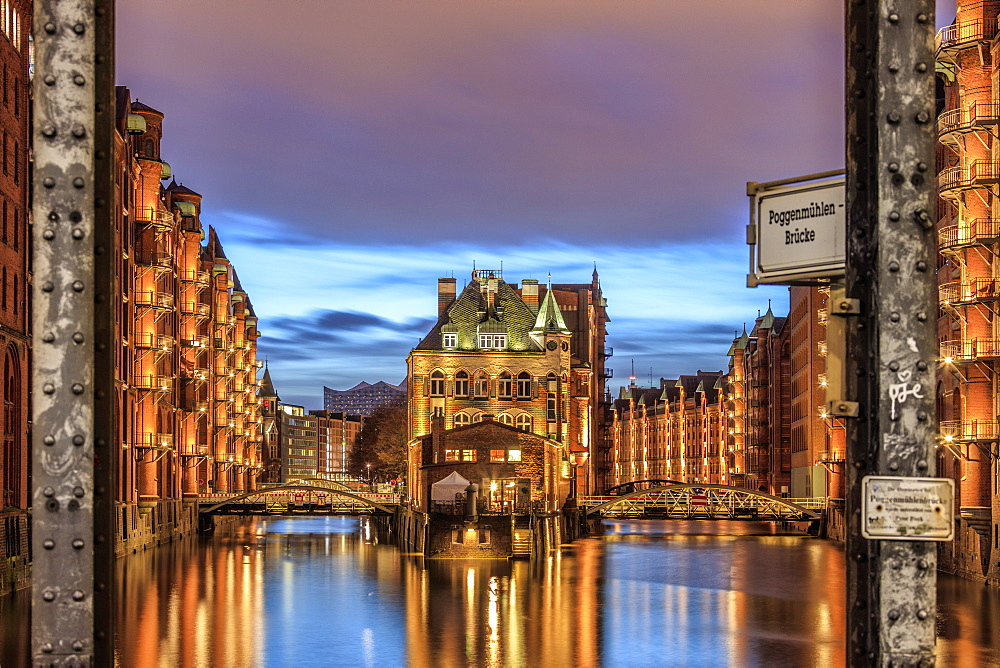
892	347
63	332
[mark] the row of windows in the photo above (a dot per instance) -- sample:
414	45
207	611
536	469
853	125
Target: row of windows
486	341
479	386
11	23
522	422
470	455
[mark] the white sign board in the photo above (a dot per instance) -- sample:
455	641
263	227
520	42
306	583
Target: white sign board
899	508
800	232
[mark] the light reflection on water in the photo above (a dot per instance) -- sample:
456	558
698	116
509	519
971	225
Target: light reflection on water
320	592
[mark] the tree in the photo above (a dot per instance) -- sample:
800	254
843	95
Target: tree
381	443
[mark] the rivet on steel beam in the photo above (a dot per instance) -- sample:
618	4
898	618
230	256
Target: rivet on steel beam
77	645
893	117
49	131
893	167
921	217
921	614
922	564
922	464
48	544
47	648
77	388
894	316
894	365
921	166
893	67
921	416
78	440
79	80
48	235
78	286
48	492
921	265
79	28
78	595
77	233
921	67
78	182
50	27
921	366
48	388
53	216
49	440
48	337
49	80
49	595
49	182
79	131
78	492
893	18
893	266
922	117
75	216
894	216
78	543
921	316
78	337
921	18
52	505
892	467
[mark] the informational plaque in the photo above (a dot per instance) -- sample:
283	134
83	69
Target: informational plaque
899	508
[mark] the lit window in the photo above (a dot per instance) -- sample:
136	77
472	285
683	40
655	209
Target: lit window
461	419
449	340
451	455
505	418
461	384
437	384
492	341
481	386
478	417
524	385
506	386
524	422
468	455
513	455
497	455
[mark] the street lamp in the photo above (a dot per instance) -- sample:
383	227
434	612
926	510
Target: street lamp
368	468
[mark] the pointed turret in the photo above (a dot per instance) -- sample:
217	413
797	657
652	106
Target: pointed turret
267	386
550	317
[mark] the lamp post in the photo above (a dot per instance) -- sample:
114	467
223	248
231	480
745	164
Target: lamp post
368	468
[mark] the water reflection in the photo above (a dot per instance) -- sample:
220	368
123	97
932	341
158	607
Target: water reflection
320	592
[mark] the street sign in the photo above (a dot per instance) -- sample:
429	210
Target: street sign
904	508
797	230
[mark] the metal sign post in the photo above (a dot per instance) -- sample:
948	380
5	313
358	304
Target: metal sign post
73	455
892	347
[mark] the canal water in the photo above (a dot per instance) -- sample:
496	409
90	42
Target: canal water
324	592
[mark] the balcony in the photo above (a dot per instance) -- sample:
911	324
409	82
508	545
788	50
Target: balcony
155	218
955	122
969	292
969	430
153	441
954	38
955	180
193	450
609	351
154	299
157	259
195	342
977	231
972	350
152	382
195	276
608	373
152	341
196	309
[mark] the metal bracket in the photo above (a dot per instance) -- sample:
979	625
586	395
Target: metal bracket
841	408
845	306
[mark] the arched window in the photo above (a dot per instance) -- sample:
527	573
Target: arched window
481	386
506	418
524	422
478	417
149	148
462	384
437	384
11	431
505	386
461	419
524	385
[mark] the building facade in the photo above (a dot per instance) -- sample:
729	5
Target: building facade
15	27
363	398
968	324
186	367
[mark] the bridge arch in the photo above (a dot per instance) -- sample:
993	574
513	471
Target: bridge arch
297	488
639	485
711	501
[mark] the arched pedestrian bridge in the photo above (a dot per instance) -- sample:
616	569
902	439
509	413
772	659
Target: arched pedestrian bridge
300	499
700	501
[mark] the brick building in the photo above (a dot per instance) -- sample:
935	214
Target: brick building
969	290
186	367
15	26
531	356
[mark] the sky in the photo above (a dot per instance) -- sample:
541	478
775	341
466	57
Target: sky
351	152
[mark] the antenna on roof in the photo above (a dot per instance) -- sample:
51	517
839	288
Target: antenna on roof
550	280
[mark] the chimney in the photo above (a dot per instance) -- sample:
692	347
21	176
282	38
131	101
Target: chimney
529	293
437	438
446	294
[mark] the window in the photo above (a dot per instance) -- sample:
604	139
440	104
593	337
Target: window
437	384
497	455
467	455
550	407
524	422
513	455
478	417
505	418
461	384
461	419
481	386
451	455
449	340
524	385
492	341
506	386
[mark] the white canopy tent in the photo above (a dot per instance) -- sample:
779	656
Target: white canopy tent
446	488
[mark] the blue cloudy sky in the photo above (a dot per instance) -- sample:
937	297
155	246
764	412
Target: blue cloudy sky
351	152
